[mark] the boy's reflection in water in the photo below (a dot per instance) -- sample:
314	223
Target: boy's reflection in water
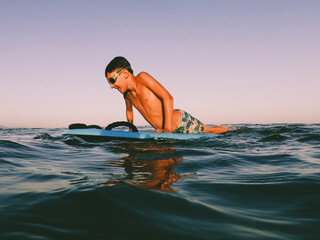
148	165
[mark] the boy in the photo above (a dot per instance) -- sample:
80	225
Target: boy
152	100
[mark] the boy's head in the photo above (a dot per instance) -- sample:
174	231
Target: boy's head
117	64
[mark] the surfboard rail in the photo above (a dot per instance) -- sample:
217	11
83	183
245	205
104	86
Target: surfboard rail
101	133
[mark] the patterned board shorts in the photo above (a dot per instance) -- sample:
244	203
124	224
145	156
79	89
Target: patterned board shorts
188	124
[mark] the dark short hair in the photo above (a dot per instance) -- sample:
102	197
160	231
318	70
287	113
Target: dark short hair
118	63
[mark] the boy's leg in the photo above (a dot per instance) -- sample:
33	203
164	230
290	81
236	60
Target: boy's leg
215	129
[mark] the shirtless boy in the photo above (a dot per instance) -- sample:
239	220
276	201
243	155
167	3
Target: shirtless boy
152	100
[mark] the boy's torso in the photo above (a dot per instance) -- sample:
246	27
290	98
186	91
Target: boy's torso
150	106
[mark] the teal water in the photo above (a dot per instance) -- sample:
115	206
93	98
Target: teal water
257	182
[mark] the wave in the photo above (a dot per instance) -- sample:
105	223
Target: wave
257	182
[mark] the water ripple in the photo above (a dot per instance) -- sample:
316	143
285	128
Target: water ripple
257	182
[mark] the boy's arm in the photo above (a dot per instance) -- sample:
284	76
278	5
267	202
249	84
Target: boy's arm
129	112
164	96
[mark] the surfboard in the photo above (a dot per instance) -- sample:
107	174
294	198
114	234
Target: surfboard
101	134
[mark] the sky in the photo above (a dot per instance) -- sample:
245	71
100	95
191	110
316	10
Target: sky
223	61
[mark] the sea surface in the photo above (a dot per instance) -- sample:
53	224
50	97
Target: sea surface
256	182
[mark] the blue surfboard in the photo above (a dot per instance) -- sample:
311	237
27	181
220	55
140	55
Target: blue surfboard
100	134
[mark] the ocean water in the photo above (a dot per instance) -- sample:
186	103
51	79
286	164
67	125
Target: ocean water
257	182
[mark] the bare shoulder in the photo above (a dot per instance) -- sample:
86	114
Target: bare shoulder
143	76
146	79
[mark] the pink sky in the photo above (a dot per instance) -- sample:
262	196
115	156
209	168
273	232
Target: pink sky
225	62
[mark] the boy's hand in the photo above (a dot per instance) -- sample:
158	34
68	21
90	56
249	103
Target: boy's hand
160	130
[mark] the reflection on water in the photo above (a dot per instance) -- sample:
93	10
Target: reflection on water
148	165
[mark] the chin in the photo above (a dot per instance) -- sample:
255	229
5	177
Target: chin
122	90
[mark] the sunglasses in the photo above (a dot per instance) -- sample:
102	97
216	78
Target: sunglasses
113	79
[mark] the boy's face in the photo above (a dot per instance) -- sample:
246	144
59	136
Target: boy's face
116	80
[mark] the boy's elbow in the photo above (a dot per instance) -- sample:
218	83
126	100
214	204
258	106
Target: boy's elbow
170	100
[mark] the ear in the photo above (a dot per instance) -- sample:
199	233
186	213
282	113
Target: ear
125	73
